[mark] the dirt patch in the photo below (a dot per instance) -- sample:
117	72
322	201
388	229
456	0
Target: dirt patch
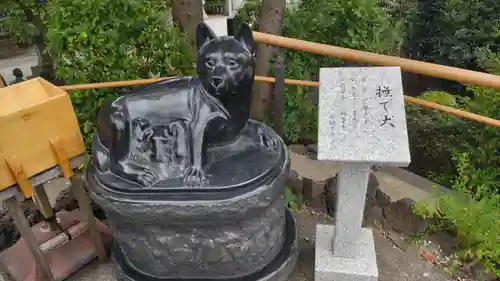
8	231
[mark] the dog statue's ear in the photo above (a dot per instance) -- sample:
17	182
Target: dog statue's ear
245	37
203	35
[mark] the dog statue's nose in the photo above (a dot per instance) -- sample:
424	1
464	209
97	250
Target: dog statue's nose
216	81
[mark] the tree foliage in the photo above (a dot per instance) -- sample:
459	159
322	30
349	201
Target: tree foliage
361	24
24	20
113	40
455	32
15	22
472	214
437	139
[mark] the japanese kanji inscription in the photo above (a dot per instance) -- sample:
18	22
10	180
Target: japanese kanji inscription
361	116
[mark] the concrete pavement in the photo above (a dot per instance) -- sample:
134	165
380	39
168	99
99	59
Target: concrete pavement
24	62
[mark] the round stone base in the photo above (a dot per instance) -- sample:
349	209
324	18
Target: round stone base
278	270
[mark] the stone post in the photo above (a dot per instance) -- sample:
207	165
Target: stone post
362	123
351	193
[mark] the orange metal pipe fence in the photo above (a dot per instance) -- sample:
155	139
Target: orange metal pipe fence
427	104
129	83
429	69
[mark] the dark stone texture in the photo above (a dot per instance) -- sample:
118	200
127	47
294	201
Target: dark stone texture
312	148
295	182
298	148
313	189
193	189
8	234
8	230
277	270
164	131
399	217
330	194
312	151
231	168
188	238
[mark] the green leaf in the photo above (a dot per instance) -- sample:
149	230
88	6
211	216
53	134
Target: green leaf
112	40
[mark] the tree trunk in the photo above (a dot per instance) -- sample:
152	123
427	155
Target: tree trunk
45	61
270	21
187	14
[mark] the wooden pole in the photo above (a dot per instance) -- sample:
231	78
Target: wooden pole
112	84
87	216
233	25
24	228
423	103
42	202
429	69
454	111
2	82
279	98
141	82
62	238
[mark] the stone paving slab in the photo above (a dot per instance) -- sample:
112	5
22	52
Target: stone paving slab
23	62
397	189
312	169
53	188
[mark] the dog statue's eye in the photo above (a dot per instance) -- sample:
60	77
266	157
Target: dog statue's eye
210	63
232	63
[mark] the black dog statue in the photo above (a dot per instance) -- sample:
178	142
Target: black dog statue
163	130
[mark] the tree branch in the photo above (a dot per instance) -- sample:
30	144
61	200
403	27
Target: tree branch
31	17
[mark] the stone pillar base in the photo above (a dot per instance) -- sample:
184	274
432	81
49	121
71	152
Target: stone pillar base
277	270
331	268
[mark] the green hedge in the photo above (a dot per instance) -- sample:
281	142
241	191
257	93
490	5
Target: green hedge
113	40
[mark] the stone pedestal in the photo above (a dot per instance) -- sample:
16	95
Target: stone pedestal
279	269
329	267
234	228
352	246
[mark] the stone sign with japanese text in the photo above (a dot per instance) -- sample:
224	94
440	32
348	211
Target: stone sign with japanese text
362	117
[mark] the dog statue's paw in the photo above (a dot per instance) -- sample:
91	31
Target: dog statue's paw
266	141
194	177
147	177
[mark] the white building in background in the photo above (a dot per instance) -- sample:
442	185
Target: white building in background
233	5
218	23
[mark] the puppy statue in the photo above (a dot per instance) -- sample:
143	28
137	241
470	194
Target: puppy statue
163	130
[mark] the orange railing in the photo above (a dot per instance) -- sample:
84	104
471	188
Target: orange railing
435	70
429	69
